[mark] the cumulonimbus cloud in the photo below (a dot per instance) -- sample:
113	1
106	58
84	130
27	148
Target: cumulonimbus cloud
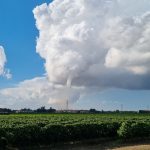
93	44
89	44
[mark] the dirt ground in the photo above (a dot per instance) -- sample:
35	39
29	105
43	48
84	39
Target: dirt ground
94	147
140	147
138	144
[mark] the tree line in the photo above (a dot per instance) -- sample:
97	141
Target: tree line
28	110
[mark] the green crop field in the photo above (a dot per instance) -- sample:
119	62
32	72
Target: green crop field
24	129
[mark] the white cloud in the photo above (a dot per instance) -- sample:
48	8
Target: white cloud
2	60
129	42
37	92
3	71
88	45
92	43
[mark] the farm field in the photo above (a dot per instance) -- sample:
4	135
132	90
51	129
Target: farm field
45	129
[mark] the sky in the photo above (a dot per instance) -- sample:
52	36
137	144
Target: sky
93	52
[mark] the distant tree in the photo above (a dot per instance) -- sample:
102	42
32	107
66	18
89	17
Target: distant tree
92	110
102	111
5	110
144	111
117	111
41	109
44	110
51	110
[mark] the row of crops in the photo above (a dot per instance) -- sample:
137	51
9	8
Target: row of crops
52	128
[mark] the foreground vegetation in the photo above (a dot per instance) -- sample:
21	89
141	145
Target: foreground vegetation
29	129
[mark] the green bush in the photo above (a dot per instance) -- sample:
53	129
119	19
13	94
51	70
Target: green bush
54	133
46	129
132	129
3	143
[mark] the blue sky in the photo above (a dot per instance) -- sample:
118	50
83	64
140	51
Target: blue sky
18	37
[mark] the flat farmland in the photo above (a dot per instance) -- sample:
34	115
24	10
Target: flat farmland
32	129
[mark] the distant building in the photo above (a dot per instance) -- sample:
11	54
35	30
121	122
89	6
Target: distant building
72	111
24	111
